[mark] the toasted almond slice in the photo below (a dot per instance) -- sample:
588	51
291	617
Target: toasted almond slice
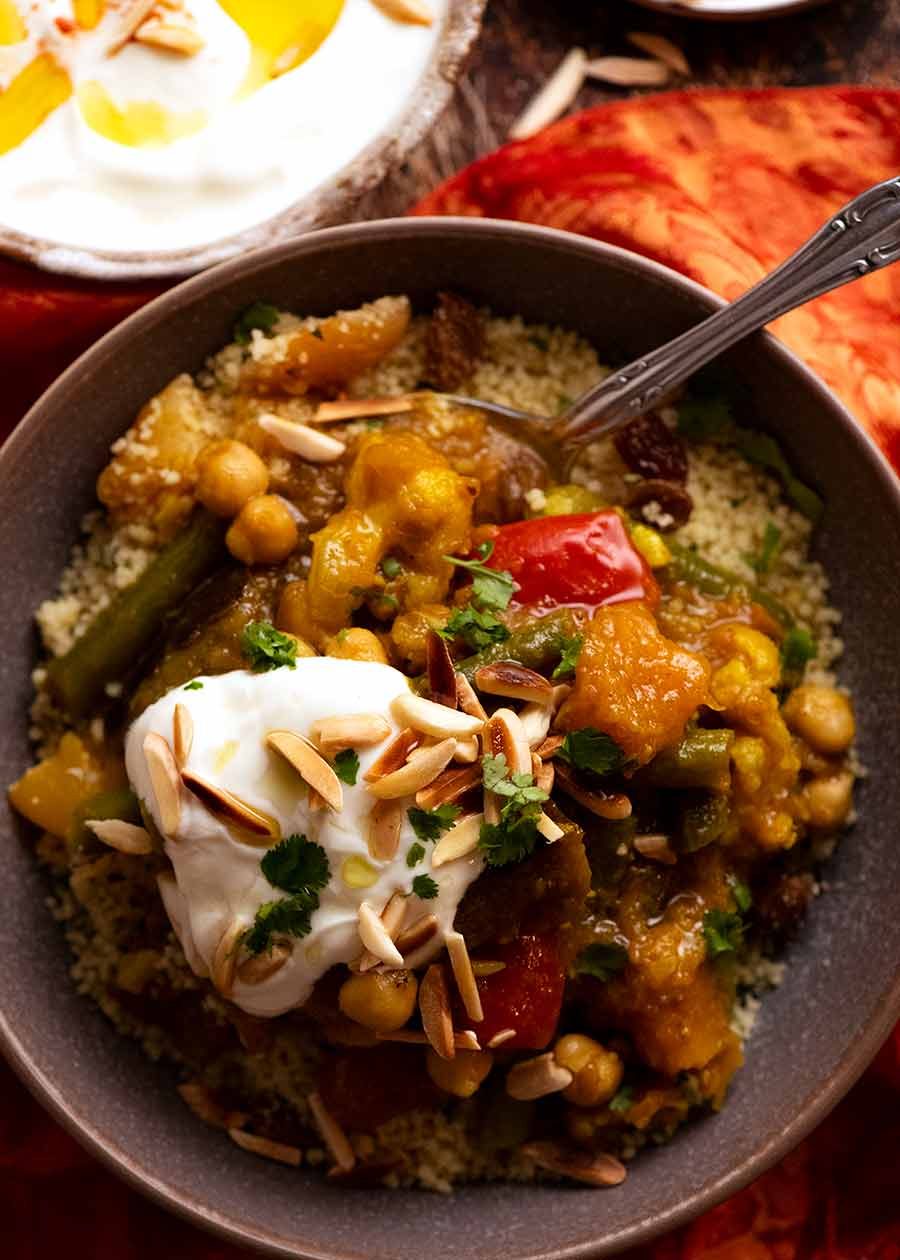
544	774
176	37
628	71
554	98
262	967
591	1168
461	964
550	746
467	698
417	774
182	735
359	408
231	808
412	12
535	1078
501	1037
385	822
392	917
468	751
505	734
433	719
279	1151
549	829
605	805
124	837
165	782
417	934
656	848
449	786
459	841
487	967
128	17
300	439
376	938
394	756
661	48
465	1040
333	1135
310	765
224	964
441	671
434	1008
508	678
207	1108
536	719
355	730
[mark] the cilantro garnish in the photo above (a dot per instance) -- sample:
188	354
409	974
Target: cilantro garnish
194	685
300	868
570	654
622	1100
261	315
346	766
415	854
602	961
430	824
515	837
425	887
589	749
267	648
476	629
798	647
724	932
391	567
743	898
768	552
505	843
491	588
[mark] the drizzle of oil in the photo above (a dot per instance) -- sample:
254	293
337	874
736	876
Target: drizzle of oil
12	28
139	124
225	754
281	35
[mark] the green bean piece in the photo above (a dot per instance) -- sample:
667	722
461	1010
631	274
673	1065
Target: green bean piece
81	843
539	645
688	566
701	760
703	822
119	636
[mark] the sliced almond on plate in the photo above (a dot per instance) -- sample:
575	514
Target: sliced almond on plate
301	439
312	767
412	12
505	734
354	730
332	1134
449	786
628	71
416	935
433	719
550	830
441	671
124	837
536	1078
227	806
385	822
467	698
434	1008
394	756
182	735
589	1167
416	774
461	965
655	848
360	408
376	938
554	98
611	805
661	48
280	1152
165	781
459	841
508	678
262	967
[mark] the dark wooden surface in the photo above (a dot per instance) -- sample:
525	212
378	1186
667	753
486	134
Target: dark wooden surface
846	41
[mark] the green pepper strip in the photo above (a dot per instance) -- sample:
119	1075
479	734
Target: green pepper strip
539	645
687	566
703	822
119	636
701	760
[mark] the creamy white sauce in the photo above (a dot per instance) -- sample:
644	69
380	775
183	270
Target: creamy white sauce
218	875
254	158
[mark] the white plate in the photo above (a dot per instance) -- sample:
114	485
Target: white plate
734	10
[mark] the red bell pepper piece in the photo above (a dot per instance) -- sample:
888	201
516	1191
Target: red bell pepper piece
584	560
526	995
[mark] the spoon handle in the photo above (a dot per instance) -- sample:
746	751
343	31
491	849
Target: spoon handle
862	238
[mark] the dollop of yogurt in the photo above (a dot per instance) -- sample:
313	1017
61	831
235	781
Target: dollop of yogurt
218	879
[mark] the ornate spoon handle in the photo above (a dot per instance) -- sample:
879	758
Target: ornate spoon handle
863	237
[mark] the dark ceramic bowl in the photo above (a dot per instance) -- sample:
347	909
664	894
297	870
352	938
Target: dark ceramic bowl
842	988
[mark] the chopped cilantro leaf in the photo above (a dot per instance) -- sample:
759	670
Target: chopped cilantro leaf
504	843
515	837
292	916
424	887
194	685
491	588
430	824
476	629
622	1100
589	749
296	865
267	648
261	315
391	567
602	961
346	766
570	654
768	552
724	932
743	898
415	853
798	647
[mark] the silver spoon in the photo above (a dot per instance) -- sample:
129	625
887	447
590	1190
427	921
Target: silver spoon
862	238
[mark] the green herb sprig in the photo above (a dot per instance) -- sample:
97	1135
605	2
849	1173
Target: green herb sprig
299	867
267	648
591	750
259	315
430	824
601	960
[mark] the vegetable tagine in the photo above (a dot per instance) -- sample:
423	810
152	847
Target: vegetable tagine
438	822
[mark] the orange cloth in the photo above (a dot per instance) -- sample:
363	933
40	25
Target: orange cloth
720	185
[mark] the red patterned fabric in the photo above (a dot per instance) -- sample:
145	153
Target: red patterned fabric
720	185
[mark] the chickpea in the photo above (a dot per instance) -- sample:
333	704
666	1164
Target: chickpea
597	1072
382	1001
822	716
829	798
228	474
263	532
357	644
303	648
461	1075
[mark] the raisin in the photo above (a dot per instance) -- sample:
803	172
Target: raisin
662	504
453	343
781	905
649	447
